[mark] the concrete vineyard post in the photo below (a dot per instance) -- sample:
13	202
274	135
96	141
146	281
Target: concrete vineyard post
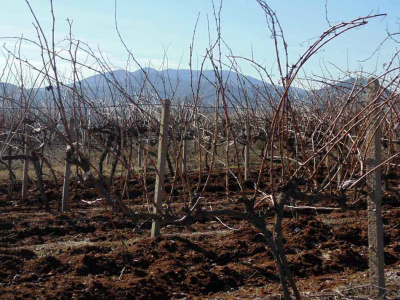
247	151
85	134
26	163
88	136
139	154
339	171
374	209
67	172
184	155
161	160
246	162
10	177
227	167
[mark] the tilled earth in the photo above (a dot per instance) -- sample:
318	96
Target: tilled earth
91	252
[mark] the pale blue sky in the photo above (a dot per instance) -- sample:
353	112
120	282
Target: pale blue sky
149	27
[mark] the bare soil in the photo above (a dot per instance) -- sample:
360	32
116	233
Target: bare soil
91	252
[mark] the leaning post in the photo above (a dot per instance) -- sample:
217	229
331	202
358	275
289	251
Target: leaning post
161	160
67	171
374	207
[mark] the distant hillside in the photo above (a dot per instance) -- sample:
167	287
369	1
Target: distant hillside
8	88
174	84
171	84
344	87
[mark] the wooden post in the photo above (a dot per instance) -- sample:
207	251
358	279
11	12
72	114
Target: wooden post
227	167
247	150
85	133
196	124
67	172
339	170
10	175
26	163
139	154
327	163
374	210
161	160
89	150
184	155
246	161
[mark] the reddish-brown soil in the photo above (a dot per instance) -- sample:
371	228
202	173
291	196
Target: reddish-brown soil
91	252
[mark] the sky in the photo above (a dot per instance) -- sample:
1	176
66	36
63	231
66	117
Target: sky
159	32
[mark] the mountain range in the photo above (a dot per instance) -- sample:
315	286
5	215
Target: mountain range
178	84
175	84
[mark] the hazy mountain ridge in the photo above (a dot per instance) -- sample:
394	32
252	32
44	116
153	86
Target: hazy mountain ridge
177	84
173	84
8	88
340	91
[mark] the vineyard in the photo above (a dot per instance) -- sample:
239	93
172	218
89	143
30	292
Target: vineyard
200	183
